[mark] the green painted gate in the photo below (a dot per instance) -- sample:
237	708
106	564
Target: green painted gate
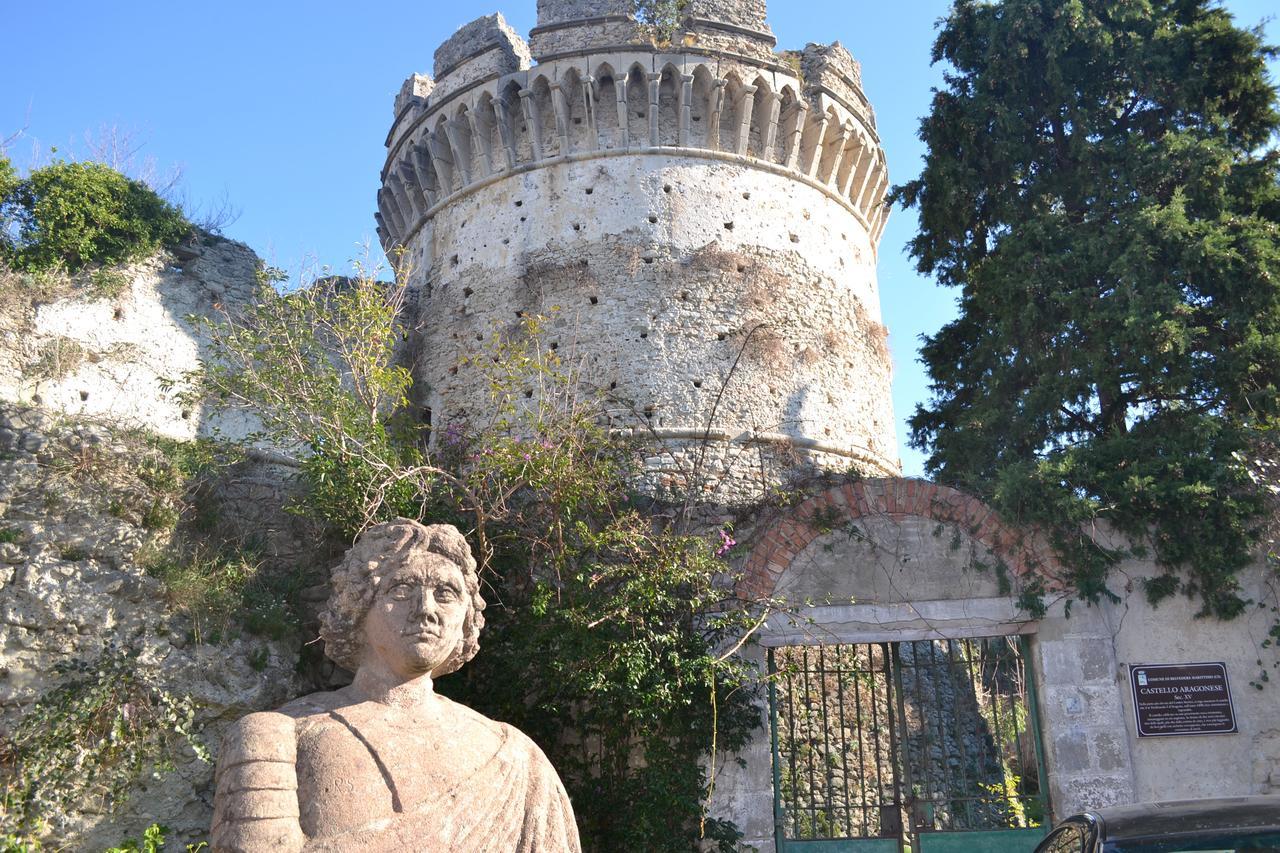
928	746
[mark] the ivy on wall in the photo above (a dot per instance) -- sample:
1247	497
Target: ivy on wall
83	745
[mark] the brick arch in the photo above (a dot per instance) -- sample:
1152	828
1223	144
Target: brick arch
1024	551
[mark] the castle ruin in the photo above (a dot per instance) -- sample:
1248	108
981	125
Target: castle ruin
698	218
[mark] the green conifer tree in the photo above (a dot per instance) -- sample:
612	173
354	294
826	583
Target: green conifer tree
1101	185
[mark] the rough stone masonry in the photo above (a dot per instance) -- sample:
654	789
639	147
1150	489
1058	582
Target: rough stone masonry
696	214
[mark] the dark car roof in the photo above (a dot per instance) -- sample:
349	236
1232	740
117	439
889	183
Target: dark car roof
1179	816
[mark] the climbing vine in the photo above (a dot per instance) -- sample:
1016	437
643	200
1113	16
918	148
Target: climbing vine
83	744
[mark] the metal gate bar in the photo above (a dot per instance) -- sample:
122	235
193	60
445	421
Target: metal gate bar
964	775
961	756
967	736
836	767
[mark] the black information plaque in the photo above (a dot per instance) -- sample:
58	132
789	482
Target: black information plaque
1182	699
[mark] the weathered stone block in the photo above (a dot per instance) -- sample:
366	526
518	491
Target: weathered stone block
561	11
1093	792
1071	752
1060	662
1097	661
1110	751
490	32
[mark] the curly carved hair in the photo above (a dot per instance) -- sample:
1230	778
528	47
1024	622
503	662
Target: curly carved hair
355	582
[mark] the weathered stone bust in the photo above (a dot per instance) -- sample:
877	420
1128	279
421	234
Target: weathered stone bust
386	764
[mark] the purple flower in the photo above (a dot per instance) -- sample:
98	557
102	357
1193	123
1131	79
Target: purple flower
453	434
726	542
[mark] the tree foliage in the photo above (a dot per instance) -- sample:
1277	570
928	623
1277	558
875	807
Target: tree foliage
74	215
8	183
1101	187
8	176
315	365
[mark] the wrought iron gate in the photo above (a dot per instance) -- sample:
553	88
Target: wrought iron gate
928	746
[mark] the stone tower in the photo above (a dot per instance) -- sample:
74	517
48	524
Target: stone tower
697	213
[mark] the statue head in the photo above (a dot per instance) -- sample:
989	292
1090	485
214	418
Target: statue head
420	582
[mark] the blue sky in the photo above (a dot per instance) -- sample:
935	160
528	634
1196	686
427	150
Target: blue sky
281	109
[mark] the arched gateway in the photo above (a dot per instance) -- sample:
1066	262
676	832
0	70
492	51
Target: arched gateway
902	703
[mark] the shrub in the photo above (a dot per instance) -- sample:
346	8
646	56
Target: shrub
225	591
316	365
75	215
660	19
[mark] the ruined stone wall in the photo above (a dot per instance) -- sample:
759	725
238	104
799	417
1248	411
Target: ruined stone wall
88	380
701	225
122	358
73	579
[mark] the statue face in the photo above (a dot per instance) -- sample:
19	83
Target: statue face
416	619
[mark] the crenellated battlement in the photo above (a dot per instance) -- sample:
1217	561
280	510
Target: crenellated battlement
490	114
413	95
729	27
482	50
734	27
566	27
830	70
566	11
746	14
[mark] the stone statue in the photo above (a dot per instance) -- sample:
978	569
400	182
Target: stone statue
386	764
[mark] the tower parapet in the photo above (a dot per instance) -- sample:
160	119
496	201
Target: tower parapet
829	70
703	212
731	27
483	50
566	27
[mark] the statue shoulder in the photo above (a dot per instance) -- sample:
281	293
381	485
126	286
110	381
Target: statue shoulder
261	736
556	829
519	740
255	804
506	734
501	733
313	704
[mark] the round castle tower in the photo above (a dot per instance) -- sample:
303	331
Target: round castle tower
697	214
